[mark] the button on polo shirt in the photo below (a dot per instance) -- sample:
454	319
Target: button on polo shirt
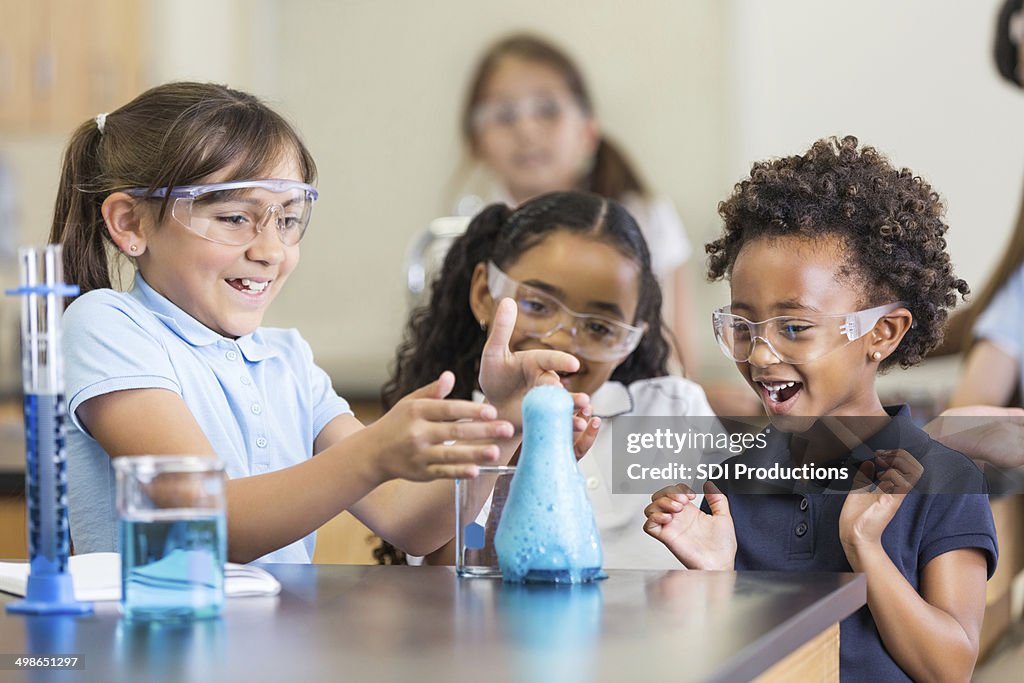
797	528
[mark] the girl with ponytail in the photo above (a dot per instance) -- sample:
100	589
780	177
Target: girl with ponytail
579	269
206	193
529	123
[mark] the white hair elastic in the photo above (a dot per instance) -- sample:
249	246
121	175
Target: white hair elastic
101	121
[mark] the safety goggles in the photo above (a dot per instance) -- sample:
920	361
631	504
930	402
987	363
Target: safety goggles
235	213
544	109
794	339
541	315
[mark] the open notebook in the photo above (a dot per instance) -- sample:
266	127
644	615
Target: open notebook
97	576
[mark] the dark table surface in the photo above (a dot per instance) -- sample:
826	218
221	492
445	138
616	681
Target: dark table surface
358	623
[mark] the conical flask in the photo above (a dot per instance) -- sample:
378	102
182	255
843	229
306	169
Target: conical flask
547	530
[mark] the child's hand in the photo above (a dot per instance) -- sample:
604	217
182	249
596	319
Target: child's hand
870	506
697	539
586	438
505	377
987	433
412	437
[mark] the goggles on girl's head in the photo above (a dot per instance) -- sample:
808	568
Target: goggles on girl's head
236	212
541	315
794	339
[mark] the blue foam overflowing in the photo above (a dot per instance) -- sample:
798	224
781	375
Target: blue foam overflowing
547	531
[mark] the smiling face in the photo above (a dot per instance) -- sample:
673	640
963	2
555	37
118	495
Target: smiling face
585	274
790	276
532	132
227	288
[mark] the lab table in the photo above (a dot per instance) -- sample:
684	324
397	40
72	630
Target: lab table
409	624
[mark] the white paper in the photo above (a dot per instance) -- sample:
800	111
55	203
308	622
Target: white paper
97	577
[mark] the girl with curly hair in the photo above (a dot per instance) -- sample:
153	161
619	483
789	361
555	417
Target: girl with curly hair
838	270
579	269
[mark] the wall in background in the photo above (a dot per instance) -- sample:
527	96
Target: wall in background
915	78
693	89
377	87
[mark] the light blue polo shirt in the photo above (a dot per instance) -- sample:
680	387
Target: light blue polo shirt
259	399
1002	323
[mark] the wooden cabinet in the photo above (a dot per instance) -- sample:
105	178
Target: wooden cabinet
62	61
13	532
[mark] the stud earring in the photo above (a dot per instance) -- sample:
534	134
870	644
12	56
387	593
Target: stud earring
876	356
483	325
133	248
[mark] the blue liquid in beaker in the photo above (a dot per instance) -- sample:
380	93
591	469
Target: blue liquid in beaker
173	565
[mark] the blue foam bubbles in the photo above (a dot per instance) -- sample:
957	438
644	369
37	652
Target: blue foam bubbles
547	531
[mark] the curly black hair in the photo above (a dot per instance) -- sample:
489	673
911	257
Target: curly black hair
444	334
890	223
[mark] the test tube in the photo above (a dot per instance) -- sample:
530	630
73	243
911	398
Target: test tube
42	293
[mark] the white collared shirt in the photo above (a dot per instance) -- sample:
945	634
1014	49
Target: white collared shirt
620	516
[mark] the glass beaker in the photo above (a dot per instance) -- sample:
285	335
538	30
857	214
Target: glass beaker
173	536
479	503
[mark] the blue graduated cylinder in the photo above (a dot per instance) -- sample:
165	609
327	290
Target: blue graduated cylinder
49	588
547	531
46	476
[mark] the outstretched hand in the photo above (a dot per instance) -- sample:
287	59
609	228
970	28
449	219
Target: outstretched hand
425	436
506	376
697	539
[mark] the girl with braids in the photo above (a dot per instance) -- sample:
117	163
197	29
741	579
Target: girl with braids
579	269
838	270
207	192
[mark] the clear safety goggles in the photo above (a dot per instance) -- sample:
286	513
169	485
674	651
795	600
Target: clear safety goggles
544	109
236	212
541	315
794	339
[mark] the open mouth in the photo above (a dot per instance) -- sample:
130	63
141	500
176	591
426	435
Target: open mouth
779	397
249	286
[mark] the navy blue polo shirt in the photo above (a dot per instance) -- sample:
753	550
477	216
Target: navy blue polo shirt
794	526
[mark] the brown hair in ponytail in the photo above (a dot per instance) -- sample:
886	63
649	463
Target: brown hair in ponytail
611	174
173	134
